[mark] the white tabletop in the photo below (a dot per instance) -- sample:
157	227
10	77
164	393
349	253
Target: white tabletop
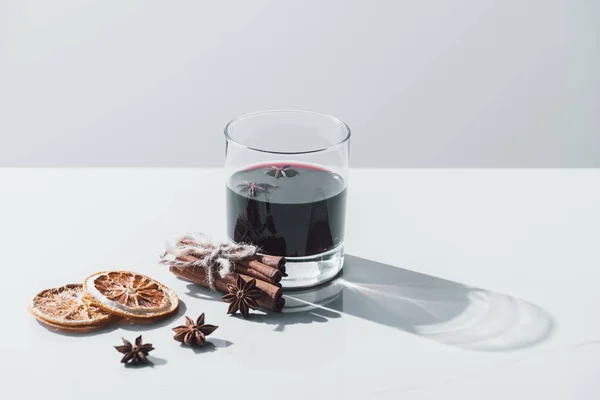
458	284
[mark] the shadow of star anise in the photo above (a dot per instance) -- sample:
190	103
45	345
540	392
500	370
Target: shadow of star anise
193	334
136	354
242	297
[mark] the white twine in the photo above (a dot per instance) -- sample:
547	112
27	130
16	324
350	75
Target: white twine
214	258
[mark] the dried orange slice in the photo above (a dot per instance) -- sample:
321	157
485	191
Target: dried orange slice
131	295
68	307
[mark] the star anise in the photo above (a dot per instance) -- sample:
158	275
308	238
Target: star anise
193	333
254	187
242	297
135	354
285	171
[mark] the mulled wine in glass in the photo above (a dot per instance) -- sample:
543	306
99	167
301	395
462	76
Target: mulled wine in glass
287	175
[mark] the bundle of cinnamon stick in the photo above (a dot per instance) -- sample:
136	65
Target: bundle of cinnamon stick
266	270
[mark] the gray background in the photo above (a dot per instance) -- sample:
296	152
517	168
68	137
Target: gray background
422	83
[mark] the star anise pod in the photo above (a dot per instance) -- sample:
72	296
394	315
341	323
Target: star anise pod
242	297
193	333
136	354
285	171
254	187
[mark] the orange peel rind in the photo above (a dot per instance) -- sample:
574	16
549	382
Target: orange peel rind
77	329
131	295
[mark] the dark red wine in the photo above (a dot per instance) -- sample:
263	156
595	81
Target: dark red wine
291	210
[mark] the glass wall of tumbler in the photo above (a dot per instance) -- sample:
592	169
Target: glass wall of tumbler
287	177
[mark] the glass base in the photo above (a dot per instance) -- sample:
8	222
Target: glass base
304	272
301	300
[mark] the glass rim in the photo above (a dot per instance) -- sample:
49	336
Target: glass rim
338	121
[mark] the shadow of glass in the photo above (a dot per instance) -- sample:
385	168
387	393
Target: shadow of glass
437	309
308	315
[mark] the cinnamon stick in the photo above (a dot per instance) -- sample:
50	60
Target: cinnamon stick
243	269
271	299
273	261
264	269
254	268
277	262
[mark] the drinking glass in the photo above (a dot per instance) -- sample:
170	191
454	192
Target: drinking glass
287	177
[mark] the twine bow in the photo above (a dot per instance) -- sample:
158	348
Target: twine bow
197	250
